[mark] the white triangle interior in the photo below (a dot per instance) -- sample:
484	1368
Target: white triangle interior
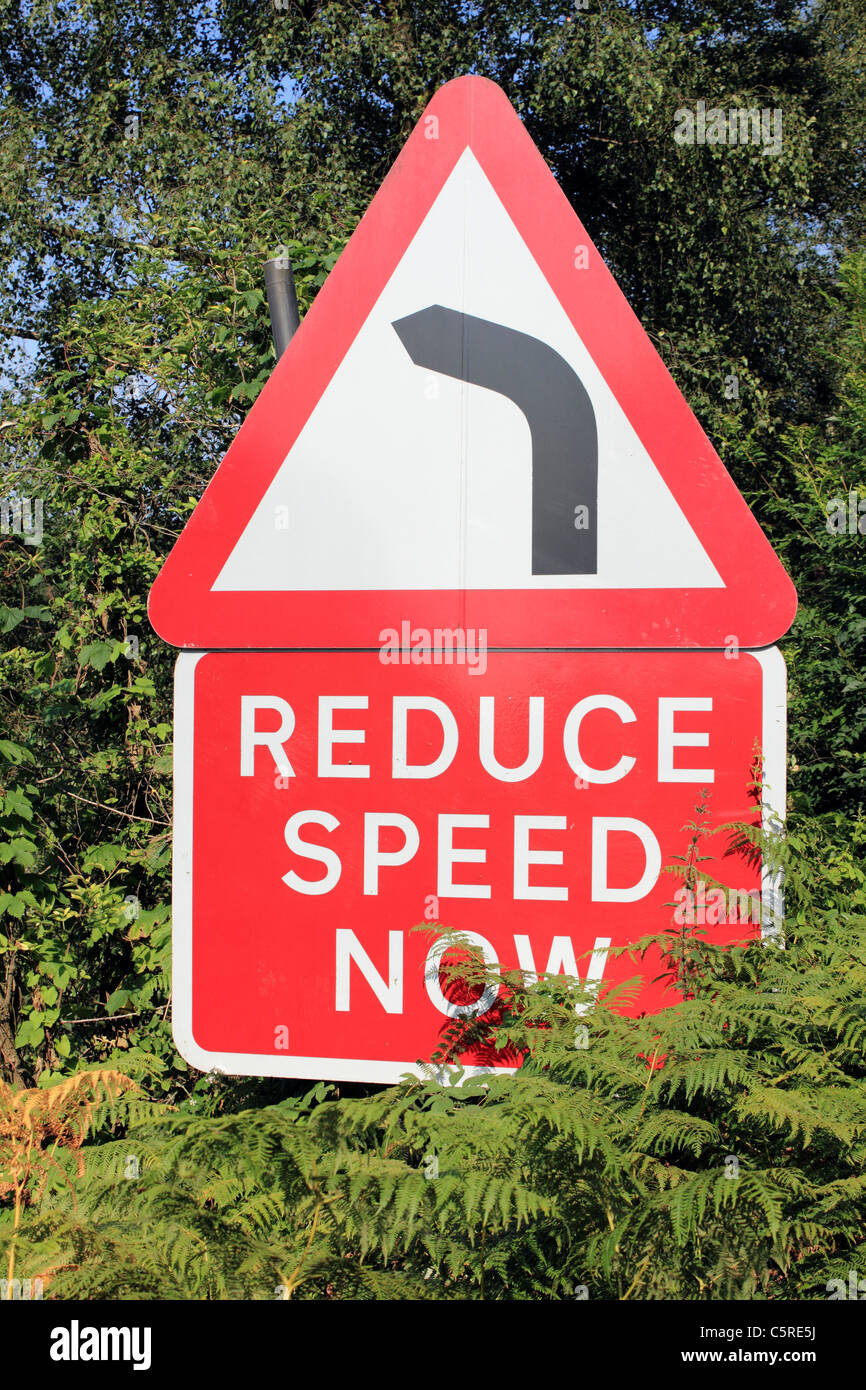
406	479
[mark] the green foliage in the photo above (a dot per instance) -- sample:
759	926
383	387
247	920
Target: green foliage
826	649
151	159
713	1151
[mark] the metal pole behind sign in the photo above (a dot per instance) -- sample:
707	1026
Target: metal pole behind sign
282	302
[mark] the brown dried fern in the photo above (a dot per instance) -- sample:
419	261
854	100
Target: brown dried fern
35	1122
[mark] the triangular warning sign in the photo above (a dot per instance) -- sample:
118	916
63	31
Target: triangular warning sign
470	429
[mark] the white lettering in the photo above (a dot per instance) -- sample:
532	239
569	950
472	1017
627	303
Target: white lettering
272	739
401	765
449	856
571	734
488	997
524	856
389	993
320	853
669	740
601	828
535	740
374	857
328	736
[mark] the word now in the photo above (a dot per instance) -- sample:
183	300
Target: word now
388	989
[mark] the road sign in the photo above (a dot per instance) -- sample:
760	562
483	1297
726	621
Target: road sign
471	429
328	803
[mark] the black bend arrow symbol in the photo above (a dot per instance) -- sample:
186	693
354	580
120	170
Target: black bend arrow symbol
558	411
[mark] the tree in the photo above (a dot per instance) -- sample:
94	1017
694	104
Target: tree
151	158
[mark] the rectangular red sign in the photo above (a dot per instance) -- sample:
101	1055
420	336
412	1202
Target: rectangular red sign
327	803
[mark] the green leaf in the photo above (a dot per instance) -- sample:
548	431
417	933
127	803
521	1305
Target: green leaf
30	1034
10	618
16	904
105	856
15	803
21	852
15	752
117	1000
98	654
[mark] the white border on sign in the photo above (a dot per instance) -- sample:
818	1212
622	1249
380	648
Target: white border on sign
774	745
774	794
